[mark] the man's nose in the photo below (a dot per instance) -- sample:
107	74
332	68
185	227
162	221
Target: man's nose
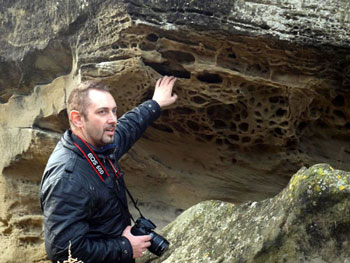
112	118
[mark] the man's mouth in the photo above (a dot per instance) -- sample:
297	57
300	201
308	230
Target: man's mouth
110	131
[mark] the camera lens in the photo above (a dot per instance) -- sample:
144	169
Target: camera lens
158	244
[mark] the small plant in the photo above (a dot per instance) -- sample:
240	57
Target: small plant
70	259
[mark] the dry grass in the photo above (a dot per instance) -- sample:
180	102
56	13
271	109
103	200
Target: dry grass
70	259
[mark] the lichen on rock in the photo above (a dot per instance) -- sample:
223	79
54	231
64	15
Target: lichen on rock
297	225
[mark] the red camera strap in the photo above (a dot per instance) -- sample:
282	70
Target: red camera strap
93	159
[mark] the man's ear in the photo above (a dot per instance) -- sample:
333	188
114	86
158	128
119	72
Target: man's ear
76	118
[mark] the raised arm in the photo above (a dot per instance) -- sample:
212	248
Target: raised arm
132	124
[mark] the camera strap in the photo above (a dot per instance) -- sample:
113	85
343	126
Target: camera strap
100	170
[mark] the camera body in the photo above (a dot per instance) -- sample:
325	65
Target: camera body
145	226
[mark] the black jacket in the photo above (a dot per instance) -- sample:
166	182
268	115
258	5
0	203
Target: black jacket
82	210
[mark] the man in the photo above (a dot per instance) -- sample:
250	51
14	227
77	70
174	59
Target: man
82	192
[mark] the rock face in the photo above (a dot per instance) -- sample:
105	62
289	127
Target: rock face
263	89
307	222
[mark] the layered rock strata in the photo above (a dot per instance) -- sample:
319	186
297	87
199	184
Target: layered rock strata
263	89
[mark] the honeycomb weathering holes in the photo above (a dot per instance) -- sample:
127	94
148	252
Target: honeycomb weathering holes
209	77
178	56
170	69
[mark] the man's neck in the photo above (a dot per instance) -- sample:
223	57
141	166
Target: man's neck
82	136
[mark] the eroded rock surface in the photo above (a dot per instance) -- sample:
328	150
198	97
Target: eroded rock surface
307	222
263	89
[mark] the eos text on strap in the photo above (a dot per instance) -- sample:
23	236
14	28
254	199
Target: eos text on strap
93	159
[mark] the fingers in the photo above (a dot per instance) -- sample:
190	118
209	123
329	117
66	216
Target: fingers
144	247
158	82
174	97
166	81
141	246
145	238
139	243
147	244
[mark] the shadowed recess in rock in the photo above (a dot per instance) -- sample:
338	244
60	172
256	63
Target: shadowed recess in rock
37	68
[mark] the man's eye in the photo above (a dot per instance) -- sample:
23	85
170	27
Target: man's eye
101	112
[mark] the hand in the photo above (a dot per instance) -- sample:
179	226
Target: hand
163	91
139	243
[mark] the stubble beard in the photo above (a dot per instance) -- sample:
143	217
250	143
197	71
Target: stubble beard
107	139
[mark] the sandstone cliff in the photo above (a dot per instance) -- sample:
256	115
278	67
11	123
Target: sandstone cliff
263	90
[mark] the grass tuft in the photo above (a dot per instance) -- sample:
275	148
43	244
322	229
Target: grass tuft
70	259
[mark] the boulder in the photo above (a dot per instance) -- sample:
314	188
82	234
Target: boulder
309	221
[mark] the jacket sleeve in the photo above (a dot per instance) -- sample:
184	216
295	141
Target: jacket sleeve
132	124
66	206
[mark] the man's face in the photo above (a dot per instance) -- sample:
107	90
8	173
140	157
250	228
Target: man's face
99	125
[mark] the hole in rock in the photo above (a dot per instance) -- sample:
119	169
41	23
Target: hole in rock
338	101
219	124
192	125
233	108
211	111
302	125
257	114
234	137
152	37
198	99
258	141
244	114
339	114
209	78
233	126
123	45
180	129
274	99
198	11
169	69
183	110
246	139
207	137
232	55
243	126
162	127
278	131
147	46
281	112
179	56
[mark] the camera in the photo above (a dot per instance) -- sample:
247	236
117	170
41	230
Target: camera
145	226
